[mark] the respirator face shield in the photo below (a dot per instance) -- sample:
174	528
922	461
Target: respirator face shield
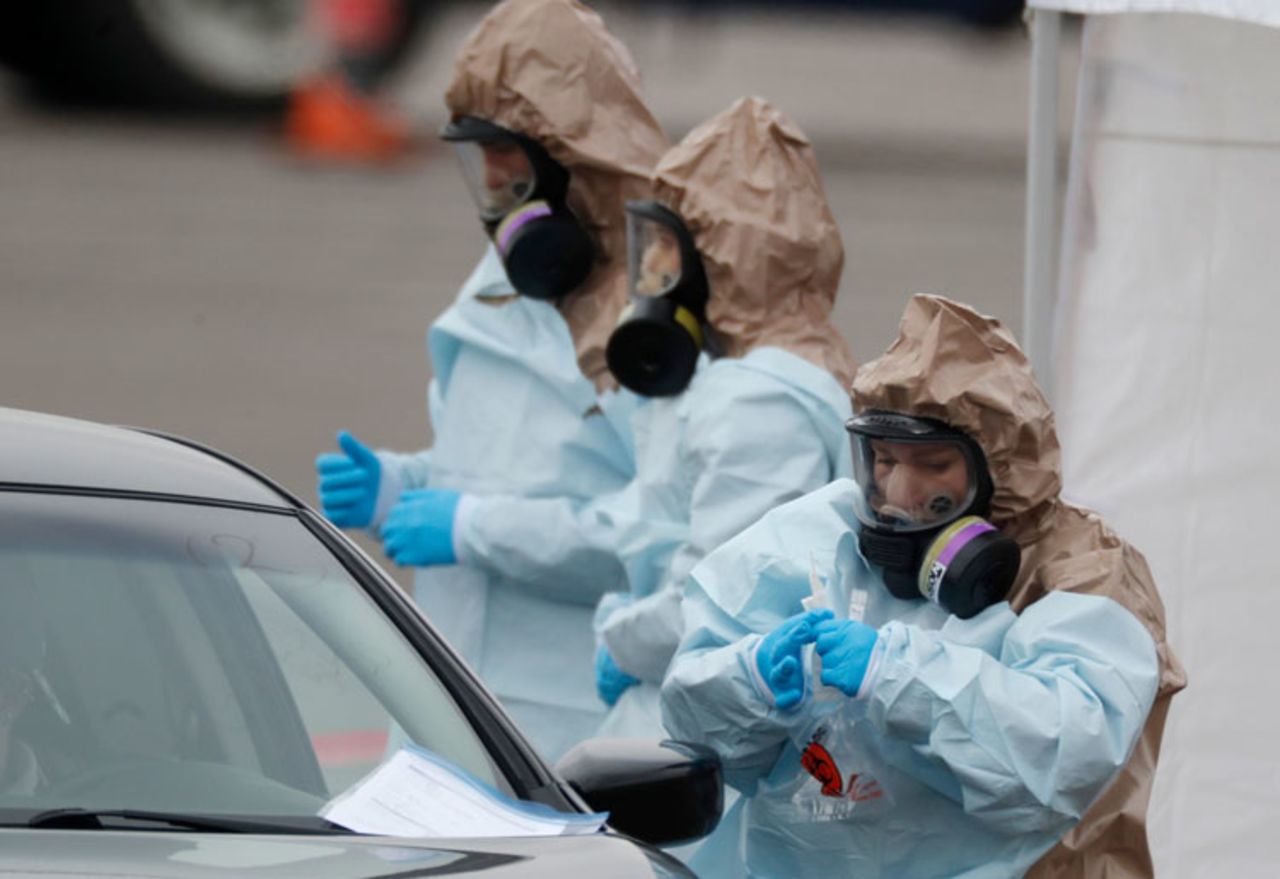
521	194
925	489
654	258
498	173
654	349
915	475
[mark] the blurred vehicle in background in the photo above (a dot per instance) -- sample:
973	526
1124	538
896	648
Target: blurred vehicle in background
187	652
249	54
191	54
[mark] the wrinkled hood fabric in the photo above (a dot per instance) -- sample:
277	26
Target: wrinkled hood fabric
955	365
747	186
961	367
548	69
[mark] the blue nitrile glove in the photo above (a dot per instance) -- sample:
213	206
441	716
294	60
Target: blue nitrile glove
347	483
611	681
778	656
419	528
845	647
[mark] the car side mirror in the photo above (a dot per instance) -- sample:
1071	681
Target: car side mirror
658	792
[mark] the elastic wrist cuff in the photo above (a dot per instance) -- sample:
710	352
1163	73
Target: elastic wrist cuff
762	686
390	484
753	667
619	659
874	665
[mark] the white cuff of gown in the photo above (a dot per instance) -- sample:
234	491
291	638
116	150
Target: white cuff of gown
874	666
467	504
389	488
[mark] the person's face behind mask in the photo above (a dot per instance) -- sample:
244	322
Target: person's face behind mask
919	483
659	268
506	175
522	194
925	489
654	349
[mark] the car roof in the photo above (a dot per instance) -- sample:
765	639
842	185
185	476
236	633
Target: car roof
38	449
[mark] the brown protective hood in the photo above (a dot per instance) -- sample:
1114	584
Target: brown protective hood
955	365
549	70
746	184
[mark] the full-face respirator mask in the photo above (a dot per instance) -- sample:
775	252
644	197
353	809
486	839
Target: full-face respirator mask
522	193
654	349
926	492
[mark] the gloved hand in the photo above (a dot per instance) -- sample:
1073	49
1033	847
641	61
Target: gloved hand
845	647
419	529
778	656
347	483
611	681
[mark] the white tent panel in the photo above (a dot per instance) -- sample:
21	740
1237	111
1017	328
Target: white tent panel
1167	377
1256	11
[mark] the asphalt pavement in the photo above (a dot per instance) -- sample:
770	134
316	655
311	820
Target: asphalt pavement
193	277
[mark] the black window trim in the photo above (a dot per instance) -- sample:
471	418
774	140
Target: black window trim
133	495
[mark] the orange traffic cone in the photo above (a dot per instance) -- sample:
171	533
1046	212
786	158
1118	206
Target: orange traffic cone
328	120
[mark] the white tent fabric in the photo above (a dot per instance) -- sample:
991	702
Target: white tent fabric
1168	393
1256	11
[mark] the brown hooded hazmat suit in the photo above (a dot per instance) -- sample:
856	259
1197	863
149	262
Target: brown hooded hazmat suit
519	402
992	736
549	70
746	184
760	424
754	428
954	365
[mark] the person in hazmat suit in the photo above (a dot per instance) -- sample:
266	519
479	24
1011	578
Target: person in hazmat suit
554	137
735	262
939	667
728	342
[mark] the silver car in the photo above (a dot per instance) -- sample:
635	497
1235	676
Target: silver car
192	663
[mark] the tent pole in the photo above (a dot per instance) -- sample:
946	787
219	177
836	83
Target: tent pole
1039	275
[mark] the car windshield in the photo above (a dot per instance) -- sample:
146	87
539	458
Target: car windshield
187	658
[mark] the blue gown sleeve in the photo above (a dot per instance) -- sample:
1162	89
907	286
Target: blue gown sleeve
547	544
403	471
643	635
1024	719
751	445
710	695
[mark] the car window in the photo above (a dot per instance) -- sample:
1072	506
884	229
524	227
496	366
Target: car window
158	655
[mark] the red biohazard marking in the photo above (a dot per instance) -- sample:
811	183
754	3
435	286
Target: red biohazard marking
818	762
862	789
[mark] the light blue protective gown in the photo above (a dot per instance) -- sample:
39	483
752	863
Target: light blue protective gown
750	434
989	737
747	435
514	415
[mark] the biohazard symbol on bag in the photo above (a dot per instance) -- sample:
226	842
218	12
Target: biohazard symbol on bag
819	763
862	788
